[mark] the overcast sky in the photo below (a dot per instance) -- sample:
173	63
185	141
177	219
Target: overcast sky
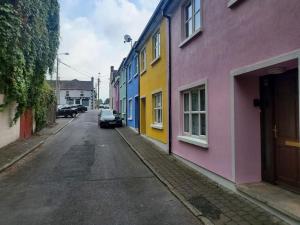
92	32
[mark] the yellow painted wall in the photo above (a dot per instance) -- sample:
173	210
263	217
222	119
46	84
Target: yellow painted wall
154	79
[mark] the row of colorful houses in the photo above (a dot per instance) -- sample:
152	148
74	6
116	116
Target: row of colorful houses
216	84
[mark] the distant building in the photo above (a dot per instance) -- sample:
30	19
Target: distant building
76	92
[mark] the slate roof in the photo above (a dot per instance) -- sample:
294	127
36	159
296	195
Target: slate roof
73	85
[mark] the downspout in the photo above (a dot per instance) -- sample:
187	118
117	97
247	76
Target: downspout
139	91
169	81
126	80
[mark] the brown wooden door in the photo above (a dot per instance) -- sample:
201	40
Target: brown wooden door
280	129
286	130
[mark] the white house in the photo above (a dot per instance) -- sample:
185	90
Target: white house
76	92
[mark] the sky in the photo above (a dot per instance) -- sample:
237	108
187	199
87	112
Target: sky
92	32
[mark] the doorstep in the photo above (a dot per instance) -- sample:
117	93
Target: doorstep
277	198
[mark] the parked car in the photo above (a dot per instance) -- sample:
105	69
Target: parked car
107	118
65	111
81	108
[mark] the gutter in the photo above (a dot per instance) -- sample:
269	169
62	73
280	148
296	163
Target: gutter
169	81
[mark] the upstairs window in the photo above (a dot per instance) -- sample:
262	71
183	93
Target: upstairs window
192	17
156	45
81	94
136	66
67	93
129	73
143	60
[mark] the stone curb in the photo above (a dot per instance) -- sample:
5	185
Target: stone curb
18	158
179	196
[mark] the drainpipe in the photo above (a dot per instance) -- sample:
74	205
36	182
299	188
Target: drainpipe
126	80
169	81
139	91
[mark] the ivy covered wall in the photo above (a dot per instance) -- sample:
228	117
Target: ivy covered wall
29	39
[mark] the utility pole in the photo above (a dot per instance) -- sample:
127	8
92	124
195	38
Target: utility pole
57	82
98	92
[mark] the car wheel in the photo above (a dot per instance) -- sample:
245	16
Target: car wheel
73	115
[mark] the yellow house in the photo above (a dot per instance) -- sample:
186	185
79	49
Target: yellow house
152	49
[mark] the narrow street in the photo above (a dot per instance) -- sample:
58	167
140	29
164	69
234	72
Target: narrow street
86	176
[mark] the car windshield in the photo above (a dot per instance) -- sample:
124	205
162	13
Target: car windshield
107	113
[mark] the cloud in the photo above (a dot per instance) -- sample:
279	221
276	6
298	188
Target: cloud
93	35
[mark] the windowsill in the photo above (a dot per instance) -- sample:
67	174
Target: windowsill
135	75
130	81
231	3
157	126
130	119
155	61
189	39
144	71
193	141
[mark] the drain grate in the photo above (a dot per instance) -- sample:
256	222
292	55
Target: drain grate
204	206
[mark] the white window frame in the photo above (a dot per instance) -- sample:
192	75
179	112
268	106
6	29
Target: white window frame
185	20
136	61
129	73
156	109
156	45
199	140
143	60
130	109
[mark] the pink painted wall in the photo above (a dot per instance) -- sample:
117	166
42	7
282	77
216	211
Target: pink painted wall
253	31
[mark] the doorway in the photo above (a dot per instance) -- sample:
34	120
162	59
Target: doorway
280	129
143	115
137	112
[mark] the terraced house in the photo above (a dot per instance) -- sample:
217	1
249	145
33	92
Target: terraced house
122	90
153	79
133	107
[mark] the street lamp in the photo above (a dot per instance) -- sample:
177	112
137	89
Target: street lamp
57	82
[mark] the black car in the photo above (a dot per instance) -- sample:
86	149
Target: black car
107	118
81	108
66	111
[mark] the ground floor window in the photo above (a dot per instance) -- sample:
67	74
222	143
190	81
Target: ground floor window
70	101
85	102
195	112
77	101
157	108
130	109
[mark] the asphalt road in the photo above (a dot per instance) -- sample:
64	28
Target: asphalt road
86	176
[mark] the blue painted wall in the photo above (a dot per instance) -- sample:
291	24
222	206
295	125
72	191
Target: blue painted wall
131	65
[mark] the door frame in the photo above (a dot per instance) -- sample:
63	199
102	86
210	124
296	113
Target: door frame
288	60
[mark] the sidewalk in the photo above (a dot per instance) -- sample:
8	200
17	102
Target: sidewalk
208	201
17	150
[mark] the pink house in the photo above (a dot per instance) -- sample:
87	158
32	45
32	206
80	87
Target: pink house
114	89
235	88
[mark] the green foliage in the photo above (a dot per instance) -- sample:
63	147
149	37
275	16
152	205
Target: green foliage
29	39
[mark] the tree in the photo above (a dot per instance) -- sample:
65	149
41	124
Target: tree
106	101
29	39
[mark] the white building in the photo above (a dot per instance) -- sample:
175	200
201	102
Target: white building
76	92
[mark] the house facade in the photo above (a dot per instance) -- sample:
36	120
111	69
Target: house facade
122	73
132	70
235	88
114	89
76	92
152	47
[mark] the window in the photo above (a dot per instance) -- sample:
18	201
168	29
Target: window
194	112
77	101
192	17
156	45
130	109
129	73
124	106
143	60
136	66
157	108
124	76
67	93
81	94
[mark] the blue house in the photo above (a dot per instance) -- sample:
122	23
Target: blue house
132	70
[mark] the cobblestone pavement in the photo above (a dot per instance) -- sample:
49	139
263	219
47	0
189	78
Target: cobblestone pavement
219	205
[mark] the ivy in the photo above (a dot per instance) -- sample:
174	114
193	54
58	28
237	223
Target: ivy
29	39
